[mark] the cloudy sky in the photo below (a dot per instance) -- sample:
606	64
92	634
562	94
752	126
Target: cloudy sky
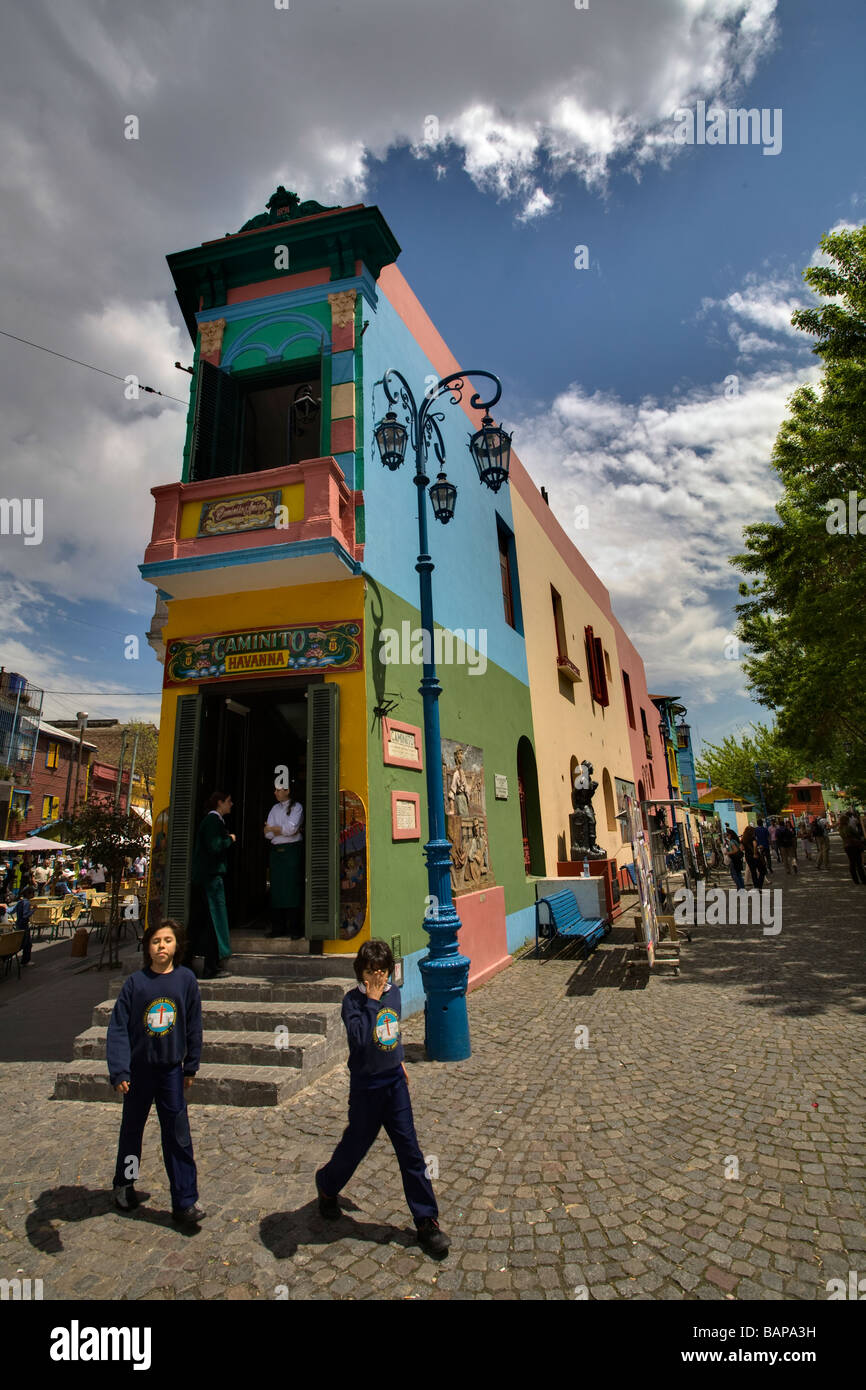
645	389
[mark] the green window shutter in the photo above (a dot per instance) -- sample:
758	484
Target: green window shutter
323	769
181	811
216	429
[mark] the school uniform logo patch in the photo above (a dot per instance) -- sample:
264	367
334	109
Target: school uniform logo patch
160	1017
387	1029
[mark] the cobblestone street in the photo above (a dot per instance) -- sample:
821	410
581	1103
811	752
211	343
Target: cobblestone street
559	1168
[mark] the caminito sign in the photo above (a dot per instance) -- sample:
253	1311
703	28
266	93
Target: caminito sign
260	652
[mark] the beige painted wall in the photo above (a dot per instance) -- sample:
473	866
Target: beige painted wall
565	729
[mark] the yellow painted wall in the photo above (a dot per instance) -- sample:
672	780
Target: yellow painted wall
309	603
291	497
564	730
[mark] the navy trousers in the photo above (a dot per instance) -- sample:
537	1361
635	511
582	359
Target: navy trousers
369	1109
165	1086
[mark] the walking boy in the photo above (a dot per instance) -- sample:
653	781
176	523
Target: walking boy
154	1049
379	1095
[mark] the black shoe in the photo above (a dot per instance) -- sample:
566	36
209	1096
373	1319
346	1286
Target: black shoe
329	1207
189	1216
431	1239
126	1198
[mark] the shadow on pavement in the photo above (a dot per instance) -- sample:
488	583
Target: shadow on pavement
81	1204
283	1231
813	964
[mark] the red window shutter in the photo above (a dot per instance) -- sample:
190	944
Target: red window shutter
604	698
595	663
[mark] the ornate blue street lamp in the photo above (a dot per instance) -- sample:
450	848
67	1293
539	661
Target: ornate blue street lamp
444	971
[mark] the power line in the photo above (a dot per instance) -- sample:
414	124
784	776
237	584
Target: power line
101	692
89	365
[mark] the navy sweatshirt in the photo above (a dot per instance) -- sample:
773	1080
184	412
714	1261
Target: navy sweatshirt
373	1027
156	1021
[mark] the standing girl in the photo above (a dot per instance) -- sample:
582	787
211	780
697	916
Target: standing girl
154	1050
208	873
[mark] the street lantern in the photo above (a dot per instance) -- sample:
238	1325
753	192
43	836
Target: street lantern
391	438
443	495
444	970
491	449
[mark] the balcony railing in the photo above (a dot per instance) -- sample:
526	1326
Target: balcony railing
314	494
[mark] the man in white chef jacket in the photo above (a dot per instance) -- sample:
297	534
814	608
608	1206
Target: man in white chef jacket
283	830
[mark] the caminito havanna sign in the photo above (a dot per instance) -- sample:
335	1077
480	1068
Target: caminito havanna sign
249	513
261	652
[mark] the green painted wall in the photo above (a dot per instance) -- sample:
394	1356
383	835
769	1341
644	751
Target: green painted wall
491	711
273	334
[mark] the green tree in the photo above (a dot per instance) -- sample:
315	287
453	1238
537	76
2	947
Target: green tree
802	612
109	838
731	764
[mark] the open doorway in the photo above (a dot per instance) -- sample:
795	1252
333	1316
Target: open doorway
247	732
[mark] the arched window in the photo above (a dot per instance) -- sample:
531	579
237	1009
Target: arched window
530	808
609	803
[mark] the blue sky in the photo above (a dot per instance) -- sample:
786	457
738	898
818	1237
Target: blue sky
555	130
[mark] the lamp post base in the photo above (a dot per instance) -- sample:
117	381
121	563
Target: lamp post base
446	1020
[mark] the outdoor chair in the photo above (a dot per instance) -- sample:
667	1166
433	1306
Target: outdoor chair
10	949
99	919
47	915
70	916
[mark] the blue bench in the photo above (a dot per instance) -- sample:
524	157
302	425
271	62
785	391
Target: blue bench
563	917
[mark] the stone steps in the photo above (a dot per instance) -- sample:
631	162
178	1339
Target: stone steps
232	1047
269	1029
259	1016
258	987
216	1084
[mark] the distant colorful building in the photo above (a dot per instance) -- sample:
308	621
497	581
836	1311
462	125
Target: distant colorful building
805	797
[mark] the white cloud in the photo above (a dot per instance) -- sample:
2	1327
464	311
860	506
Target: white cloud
669	487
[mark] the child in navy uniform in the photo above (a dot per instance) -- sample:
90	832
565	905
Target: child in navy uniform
379	1095
154	1050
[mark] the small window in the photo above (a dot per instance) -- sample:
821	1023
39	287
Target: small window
50	807
626	685
505	576
51	757
508	575
559	625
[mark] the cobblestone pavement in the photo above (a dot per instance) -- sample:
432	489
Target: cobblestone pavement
560	1168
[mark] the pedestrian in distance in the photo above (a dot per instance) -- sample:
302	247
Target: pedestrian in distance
854	843
821	837
154	1051
753	856
762	839
208	874
774	839
23	913
804	835
735	857
787	842
379	1095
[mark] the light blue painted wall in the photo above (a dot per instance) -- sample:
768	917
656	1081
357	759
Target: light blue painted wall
467	586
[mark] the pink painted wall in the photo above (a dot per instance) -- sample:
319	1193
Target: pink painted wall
482	935
630	661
